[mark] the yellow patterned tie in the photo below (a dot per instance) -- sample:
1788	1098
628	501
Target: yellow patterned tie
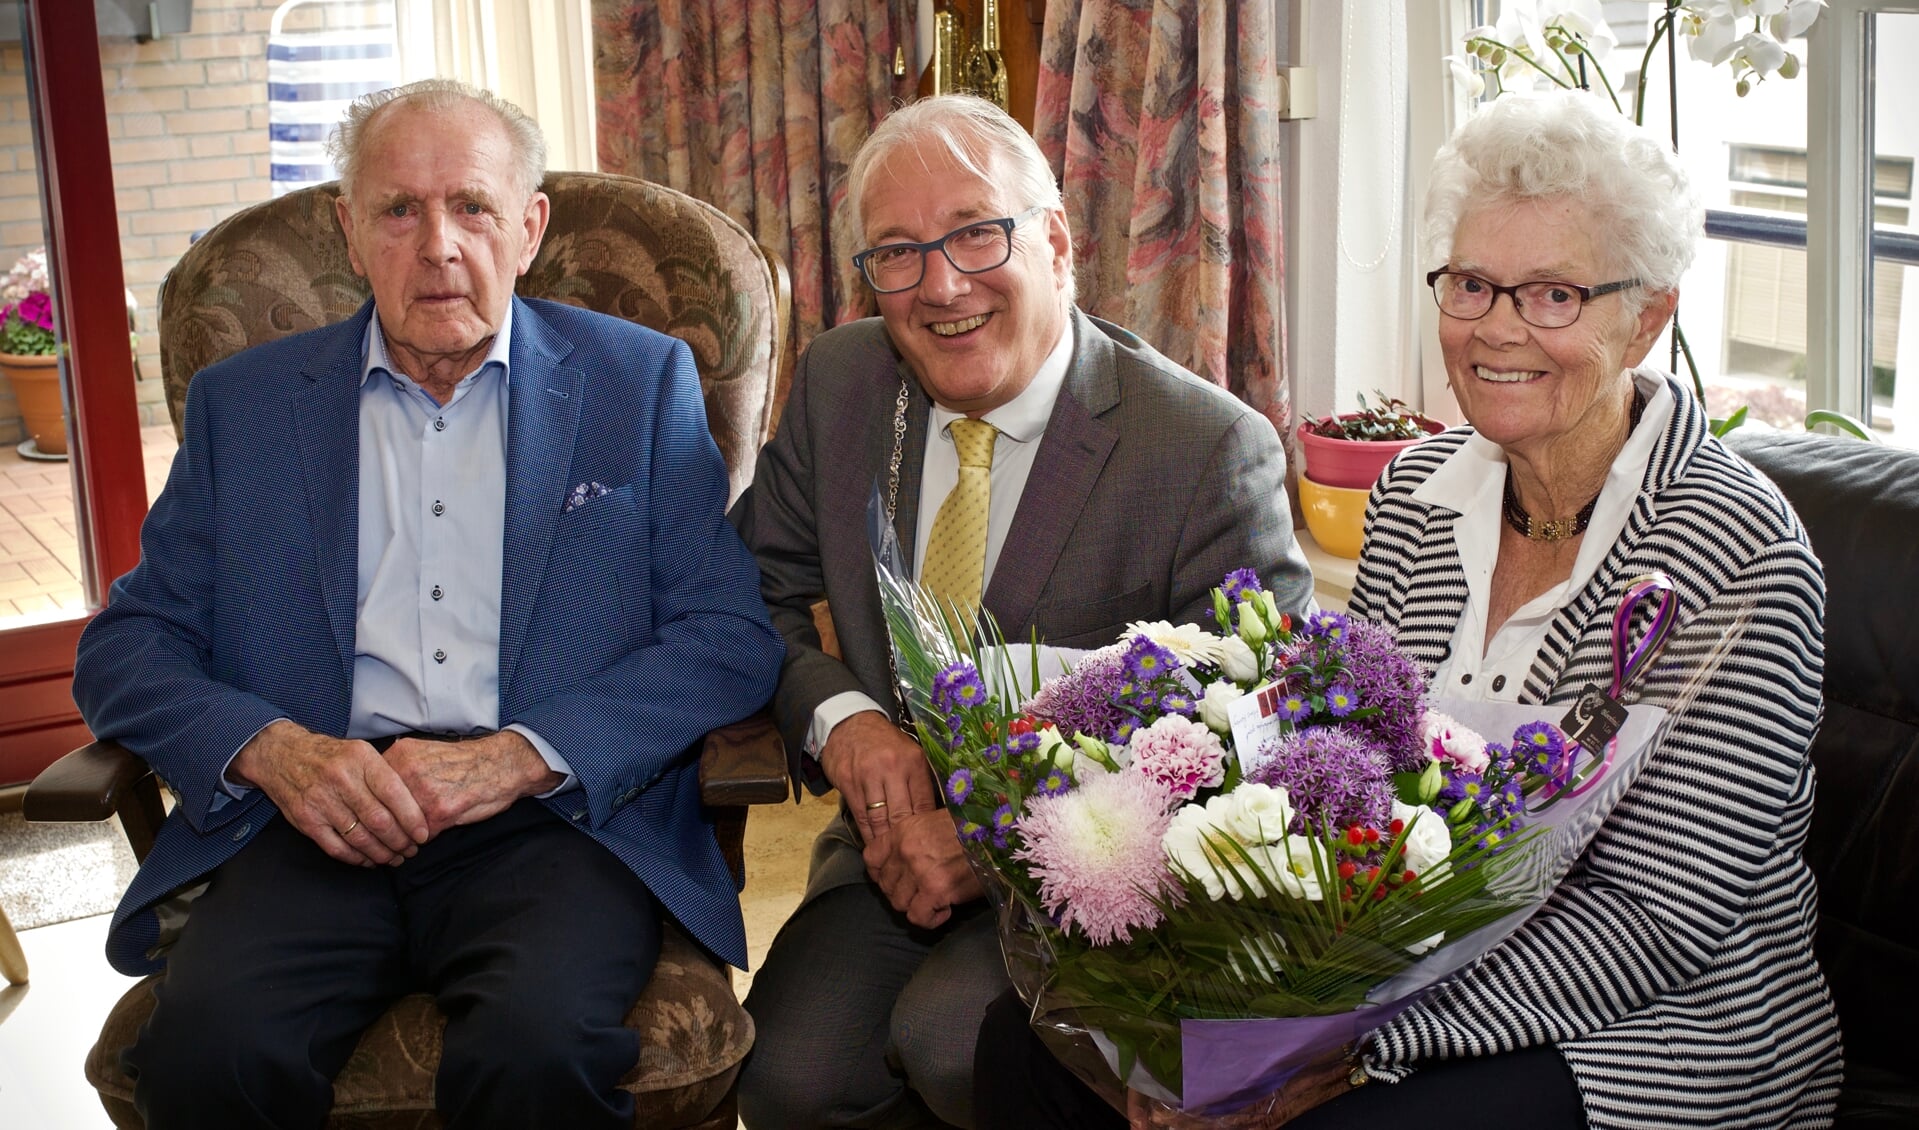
956	549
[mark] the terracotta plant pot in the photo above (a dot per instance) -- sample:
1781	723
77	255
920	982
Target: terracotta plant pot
1351	463
36	386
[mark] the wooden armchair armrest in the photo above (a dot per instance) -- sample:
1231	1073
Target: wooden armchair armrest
95	782
744	763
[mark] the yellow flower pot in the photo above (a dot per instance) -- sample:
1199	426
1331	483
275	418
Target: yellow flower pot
35	378
1335	515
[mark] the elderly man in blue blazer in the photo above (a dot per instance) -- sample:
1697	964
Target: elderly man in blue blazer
430	618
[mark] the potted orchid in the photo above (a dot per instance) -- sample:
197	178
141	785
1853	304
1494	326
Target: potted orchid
27	354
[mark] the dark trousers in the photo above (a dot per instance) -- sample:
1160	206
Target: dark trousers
534	940
1020	1085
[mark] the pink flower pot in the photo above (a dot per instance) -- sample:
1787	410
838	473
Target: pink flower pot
1350	463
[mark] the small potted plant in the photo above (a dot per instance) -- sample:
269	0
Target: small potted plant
27	355
1350	450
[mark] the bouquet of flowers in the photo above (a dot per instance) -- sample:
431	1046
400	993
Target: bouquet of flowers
26	319
1189	831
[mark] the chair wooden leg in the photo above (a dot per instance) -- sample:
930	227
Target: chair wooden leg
13	959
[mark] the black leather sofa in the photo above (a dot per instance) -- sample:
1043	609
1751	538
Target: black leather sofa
1860	504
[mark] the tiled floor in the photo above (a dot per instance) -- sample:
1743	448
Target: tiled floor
39	556
47	1025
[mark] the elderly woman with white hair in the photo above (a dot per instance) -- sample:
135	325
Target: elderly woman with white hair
1669	980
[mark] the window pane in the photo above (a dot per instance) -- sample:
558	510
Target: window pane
1894	341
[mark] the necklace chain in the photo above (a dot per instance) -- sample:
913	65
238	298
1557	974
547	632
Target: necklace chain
1560	529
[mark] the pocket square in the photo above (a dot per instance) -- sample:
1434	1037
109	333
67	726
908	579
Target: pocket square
581	495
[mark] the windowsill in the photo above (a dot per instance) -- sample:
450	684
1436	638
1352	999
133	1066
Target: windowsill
1332	576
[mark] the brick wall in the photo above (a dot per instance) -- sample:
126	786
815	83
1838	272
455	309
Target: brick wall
187	124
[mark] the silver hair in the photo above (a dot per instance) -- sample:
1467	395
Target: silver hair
1570	145
971	132
347	140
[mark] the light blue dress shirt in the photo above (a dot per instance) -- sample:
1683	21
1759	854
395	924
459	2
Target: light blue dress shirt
432	529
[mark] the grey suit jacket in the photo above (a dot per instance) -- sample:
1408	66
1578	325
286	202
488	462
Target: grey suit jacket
1149	486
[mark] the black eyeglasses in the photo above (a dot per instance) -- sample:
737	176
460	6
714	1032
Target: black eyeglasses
1548	305
979	246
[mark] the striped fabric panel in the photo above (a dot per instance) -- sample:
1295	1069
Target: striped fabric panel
1673	967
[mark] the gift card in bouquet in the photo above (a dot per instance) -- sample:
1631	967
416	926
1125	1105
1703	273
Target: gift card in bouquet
1594	718
1255	722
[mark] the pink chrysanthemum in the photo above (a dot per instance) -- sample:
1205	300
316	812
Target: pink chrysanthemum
1179	753
1096	854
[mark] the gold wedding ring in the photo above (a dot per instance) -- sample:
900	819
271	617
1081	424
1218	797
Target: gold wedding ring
875	804
348	830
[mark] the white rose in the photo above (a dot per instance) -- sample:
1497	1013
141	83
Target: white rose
1253	813
1212	707
1293	864
1427	842
1052	745
1237	661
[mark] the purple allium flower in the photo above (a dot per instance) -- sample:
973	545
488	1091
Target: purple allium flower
1340	700
1180	754
1238	583
1053	783
1330	777
1096	854
1085	699
1329	625
959	786
1384	678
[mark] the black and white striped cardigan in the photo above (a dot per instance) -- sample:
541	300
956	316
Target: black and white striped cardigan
1673	967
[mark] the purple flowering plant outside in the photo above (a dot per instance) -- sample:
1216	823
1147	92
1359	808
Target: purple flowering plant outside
1167	876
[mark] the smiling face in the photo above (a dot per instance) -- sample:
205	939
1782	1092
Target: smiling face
974	341
439	229
1523	387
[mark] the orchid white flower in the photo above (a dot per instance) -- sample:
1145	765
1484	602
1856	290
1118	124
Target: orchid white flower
1760	54
1793	21
1466	76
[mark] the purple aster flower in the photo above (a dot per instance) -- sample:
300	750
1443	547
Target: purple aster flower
955	734
959	786
972	831
1330	777
1294	707
957	686
1459	785
1123	730
1003	818
1238	583
1023	743
1329	625
1085	699
1146	660
1177	702
991	753
1146	699
1340	700
1510	799
1492	839
1053	783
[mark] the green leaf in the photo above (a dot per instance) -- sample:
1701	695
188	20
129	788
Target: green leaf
1848	424
1721	427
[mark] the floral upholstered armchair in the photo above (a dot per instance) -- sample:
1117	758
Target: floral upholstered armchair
616	245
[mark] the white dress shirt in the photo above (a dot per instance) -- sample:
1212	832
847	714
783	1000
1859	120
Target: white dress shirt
1472	482
1021	423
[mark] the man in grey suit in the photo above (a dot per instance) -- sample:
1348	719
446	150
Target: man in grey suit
1122	488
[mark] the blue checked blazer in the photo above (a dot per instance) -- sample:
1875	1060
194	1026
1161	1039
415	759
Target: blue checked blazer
630	624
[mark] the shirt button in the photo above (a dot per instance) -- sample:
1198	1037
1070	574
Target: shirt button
437	593
439	425
1465	679
439	657
439	508
1499	682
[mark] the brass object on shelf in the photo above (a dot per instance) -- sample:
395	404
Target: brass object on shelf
962	64
899	61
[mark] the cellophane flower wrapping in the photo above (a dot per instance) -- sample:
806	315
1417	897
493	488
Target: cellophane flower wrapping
1197	915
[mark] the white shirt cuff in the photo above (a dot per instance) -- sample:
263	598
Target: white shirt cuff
228	785
549	755
831	713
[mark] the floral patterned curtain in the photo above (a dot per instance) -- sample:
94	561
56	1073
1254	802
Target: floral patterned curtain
757	107
1160	117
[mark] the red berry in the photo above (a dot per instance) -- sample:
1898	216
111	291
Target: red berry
1020	725
1379	892
1355	836
1409	876
1348	869
1285	622
1372	835
1398	826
